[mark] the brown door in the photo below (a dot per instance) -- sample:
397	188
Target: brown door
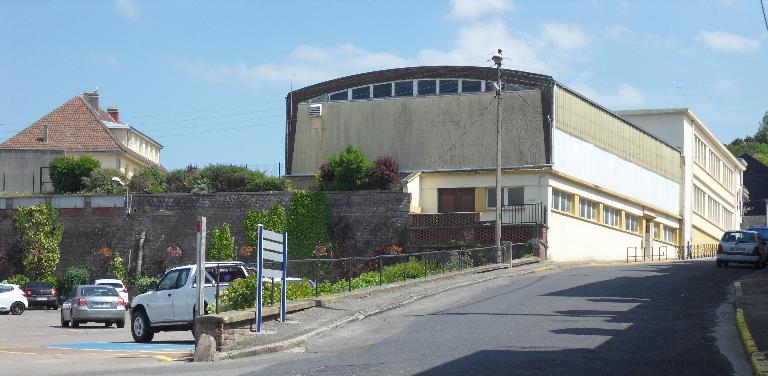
451	200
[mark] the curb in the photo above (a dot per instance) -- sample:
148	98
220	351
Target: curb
758	359
361	315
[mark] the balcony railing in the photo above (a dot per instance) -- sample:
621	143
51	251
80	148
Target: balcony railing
524	214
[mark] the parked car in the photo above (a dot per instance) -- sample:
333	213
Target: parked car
170	305
93	303
748	247
41	294
763	231
12	300
117	284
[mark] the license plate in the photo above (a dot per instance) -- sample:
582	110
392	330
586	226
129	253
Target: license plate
101	305
40	299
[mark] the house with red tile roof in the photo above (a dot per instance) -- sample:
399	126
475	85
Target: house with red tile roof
77	127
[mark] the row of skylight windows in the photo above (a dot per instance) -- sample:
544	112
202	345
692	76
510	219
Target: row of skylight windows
411	88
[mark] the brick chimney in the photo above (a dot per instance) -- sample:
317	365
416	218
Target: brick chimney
114	113
92	98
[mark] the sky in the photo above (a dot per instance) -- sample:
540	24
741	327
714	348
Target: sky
208	79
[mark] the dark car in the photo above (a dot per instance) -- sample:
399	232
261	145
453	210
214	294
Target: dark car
41	294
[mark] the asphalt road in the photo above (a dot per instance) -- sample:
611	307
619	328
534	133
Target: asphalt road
634	320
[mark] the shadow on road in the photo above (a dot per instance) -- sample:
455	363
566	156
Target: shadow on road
667	329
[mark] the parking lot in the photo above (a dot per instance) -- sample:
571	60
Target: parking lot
35	343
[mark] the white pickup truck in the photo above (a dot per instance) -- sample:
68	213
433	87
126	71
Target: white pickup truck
171	304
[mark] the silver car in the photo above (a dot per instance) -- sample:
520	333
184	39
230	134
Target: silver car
93	303
746	247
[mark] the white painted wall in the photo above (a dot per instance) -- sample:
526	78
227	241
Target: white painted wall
572	239
587	162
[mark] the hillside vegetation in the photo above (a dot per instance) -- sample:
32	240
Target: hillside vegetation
755	145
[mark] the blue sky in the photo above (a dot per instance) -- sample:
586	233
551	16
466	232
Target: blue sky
208	79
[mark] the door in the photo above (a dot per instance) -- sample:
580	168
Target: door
160	304
648	243
450	200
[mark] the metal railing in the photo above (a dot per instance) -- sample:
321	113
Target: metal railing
524	214
700	251
326	274
656	253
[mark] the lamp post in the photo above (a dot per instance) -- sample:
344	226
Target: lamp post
120	182
497	58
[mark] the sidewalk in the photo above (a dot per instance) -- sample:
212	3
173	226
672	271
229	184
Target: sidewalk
752	318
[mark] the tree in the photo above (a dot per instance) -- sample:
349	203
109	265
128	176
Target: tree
385	173
348	171
39	235
100	181
762	130
116	267
221	247
148	180
67	173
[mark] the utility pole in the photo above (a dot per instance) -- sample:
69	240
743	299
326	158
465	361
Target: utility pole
497	58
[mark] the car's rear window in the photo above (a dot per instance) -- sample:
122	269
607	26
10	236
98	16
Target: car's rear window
99	291
227	273
113	284
738	236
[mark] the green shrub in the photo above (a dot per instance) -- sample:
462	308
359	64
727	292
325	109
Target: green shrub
143	283
265	183
273	219
221	247
227	177
18	279
346	172
116	267
150	179
74	275
240	294
39	235
308	221
100	181
67	173
182	179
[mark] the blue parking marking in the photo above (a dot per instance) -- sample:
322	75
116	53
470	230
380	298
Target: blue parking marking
126	346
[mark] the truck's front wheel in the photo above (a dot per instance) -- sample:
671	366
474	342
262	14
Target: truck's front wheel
140	327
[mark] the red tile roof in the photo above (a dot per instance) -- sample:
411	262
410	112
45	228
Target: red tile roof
74	126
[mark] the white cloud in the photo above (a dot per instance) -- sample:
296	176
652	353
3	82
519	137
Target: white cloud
473	9
624	96
127	9
723	41
564	36
618	32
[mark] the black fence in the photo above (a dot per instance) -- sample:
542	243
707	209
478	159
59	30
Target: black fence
335	275
524	214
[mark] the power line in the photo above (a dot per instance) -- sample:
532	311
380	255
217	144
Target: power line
762	6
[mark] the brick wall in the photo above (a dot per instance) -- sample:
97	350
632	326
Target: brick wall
361	222
436	230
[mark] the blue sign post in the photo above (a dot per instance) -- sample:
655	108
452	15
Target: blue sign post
274	247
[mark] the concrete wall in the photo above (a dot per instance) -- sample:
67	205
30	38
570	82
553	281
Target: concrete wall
419	131
361	223
19	168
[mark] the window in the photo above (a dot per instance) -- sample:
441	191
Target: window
700	152
5	289
361	92
727	218
669	234
404	89
427	87
98	291
562	201
699	200
227	273
714	211
611	216
470	86
449	86
173	279
587	209
509	195
631	222
340	96
382	90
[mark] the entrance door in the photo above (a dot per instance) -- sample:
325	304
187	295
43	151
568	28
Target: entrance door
451	200
648	243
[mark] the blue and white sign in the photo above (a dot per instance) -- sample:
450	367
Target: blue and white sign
274	247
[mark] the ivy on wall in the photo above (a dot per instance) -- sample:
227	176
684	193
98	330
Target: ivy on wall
39	235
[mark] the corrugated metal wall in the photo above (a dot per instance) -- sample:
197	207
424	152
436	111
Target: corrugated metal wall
590	123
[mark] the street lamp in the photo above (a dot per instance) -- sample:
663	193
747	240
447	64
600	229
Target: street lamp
120	182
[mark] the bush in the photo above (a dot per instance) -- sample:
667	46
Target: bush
143	283
116	268
308	221
39	235
18	279
273	219
348	171
384	174
182	179
67	173
222	244
74	275
240	294
227	177
100	181
264	183
150	179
